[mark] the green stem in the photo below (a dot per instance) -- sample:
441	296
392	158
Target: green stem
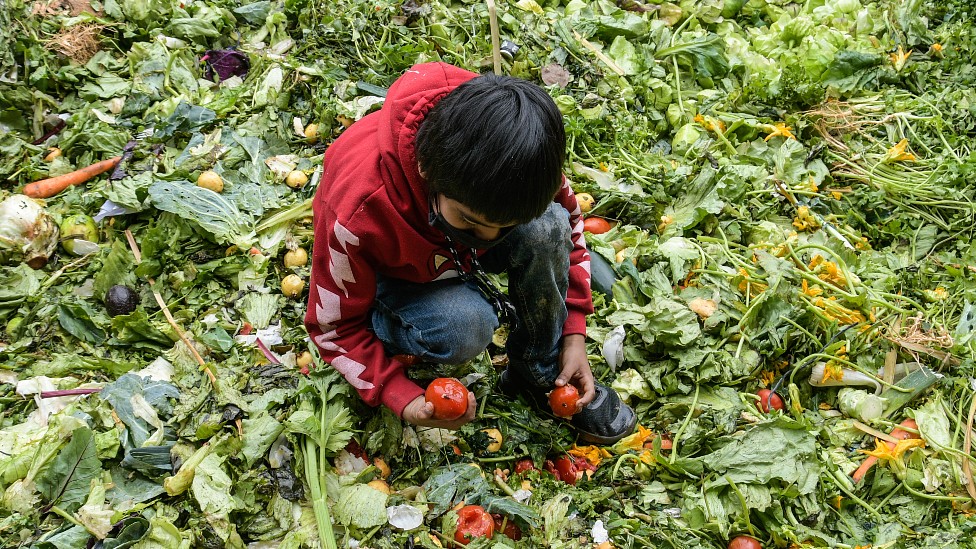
742	502
874	512
923	495
677	436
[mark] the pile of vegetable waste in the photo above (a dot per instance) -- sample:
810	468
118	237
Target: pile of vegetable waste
780	201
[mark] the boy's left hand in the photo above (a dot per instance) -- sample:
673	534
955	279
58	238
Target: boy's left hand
574	367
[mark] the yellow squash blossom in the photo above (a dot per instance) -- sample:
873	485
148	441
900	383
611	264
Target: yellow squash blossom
828	271
836	311
899	58
805	220
592	454
812	291
709	123
634	441
897	153
832	370
755	288
779	129
893	454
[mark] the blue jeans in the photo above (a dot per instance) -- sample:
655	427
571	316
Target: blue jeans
450	322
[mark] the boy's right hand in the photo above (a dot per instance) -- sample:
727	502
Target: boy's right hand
420	412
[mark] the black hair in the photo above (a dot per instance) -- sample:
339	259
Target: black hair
495	144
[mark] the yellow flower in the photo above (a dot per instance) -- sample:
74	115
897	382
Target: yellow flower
812	184
778	129
709	123
836	311
824	406
634	441
897	153
935	50
766	377
805	220
899	58
812	291
755	288
665	221
832	370
592	454
837	195
938	294
893	453
828	271
837	501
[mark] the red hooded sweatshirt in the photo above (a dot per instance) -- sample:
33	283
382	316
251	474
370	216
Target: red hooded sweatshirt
371	216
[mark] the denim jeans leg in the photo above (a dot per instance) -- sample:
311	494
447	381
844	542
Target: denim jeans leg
447	322
536	257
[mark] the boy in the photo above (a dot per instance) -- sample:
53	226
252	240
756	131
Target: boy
457	174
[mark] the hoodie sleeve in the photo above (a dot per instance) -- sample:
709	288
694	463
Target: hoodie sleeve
579	300
341	293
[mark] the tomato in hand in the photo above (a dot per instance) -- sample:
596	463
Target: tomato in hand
596	225
509	528
744	542
473	522
769	400
449	397
563	399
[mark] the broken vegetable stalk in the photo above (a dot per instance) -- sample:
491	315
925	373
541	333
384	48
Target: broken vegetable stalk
316	466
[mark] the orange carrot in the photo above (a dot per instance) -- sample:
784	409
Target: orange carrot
46	188
897	433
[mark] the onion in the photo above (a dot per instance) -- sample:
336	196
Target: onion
28	234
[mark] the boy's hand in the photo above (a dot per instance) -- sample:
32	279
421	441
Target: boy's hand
574	367
420	412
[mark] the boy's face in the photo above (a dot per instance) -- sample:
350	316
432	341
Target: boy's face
463	218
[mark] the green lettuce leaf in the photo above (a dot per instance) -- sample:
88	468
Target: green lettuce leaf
67	481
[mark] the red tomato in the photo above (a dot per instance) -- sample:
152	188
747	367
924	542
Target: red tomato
744	542
582	465
525	464
596	225
563	399
769	400
449	397
355	449
510	529
564	469
473	522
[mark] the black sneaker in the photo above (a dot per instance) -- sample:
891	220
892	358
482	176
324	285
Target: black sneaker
603	421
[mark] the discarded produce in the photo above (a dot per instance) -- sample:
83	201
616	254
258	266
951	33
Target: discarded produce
210	180
292	286
79	235
46	188
449	397
473	522
596	225
297	257
121	300
562	400
28	233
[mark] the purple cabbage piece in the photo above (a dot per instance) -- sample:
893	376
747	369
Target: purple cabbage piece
224	64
